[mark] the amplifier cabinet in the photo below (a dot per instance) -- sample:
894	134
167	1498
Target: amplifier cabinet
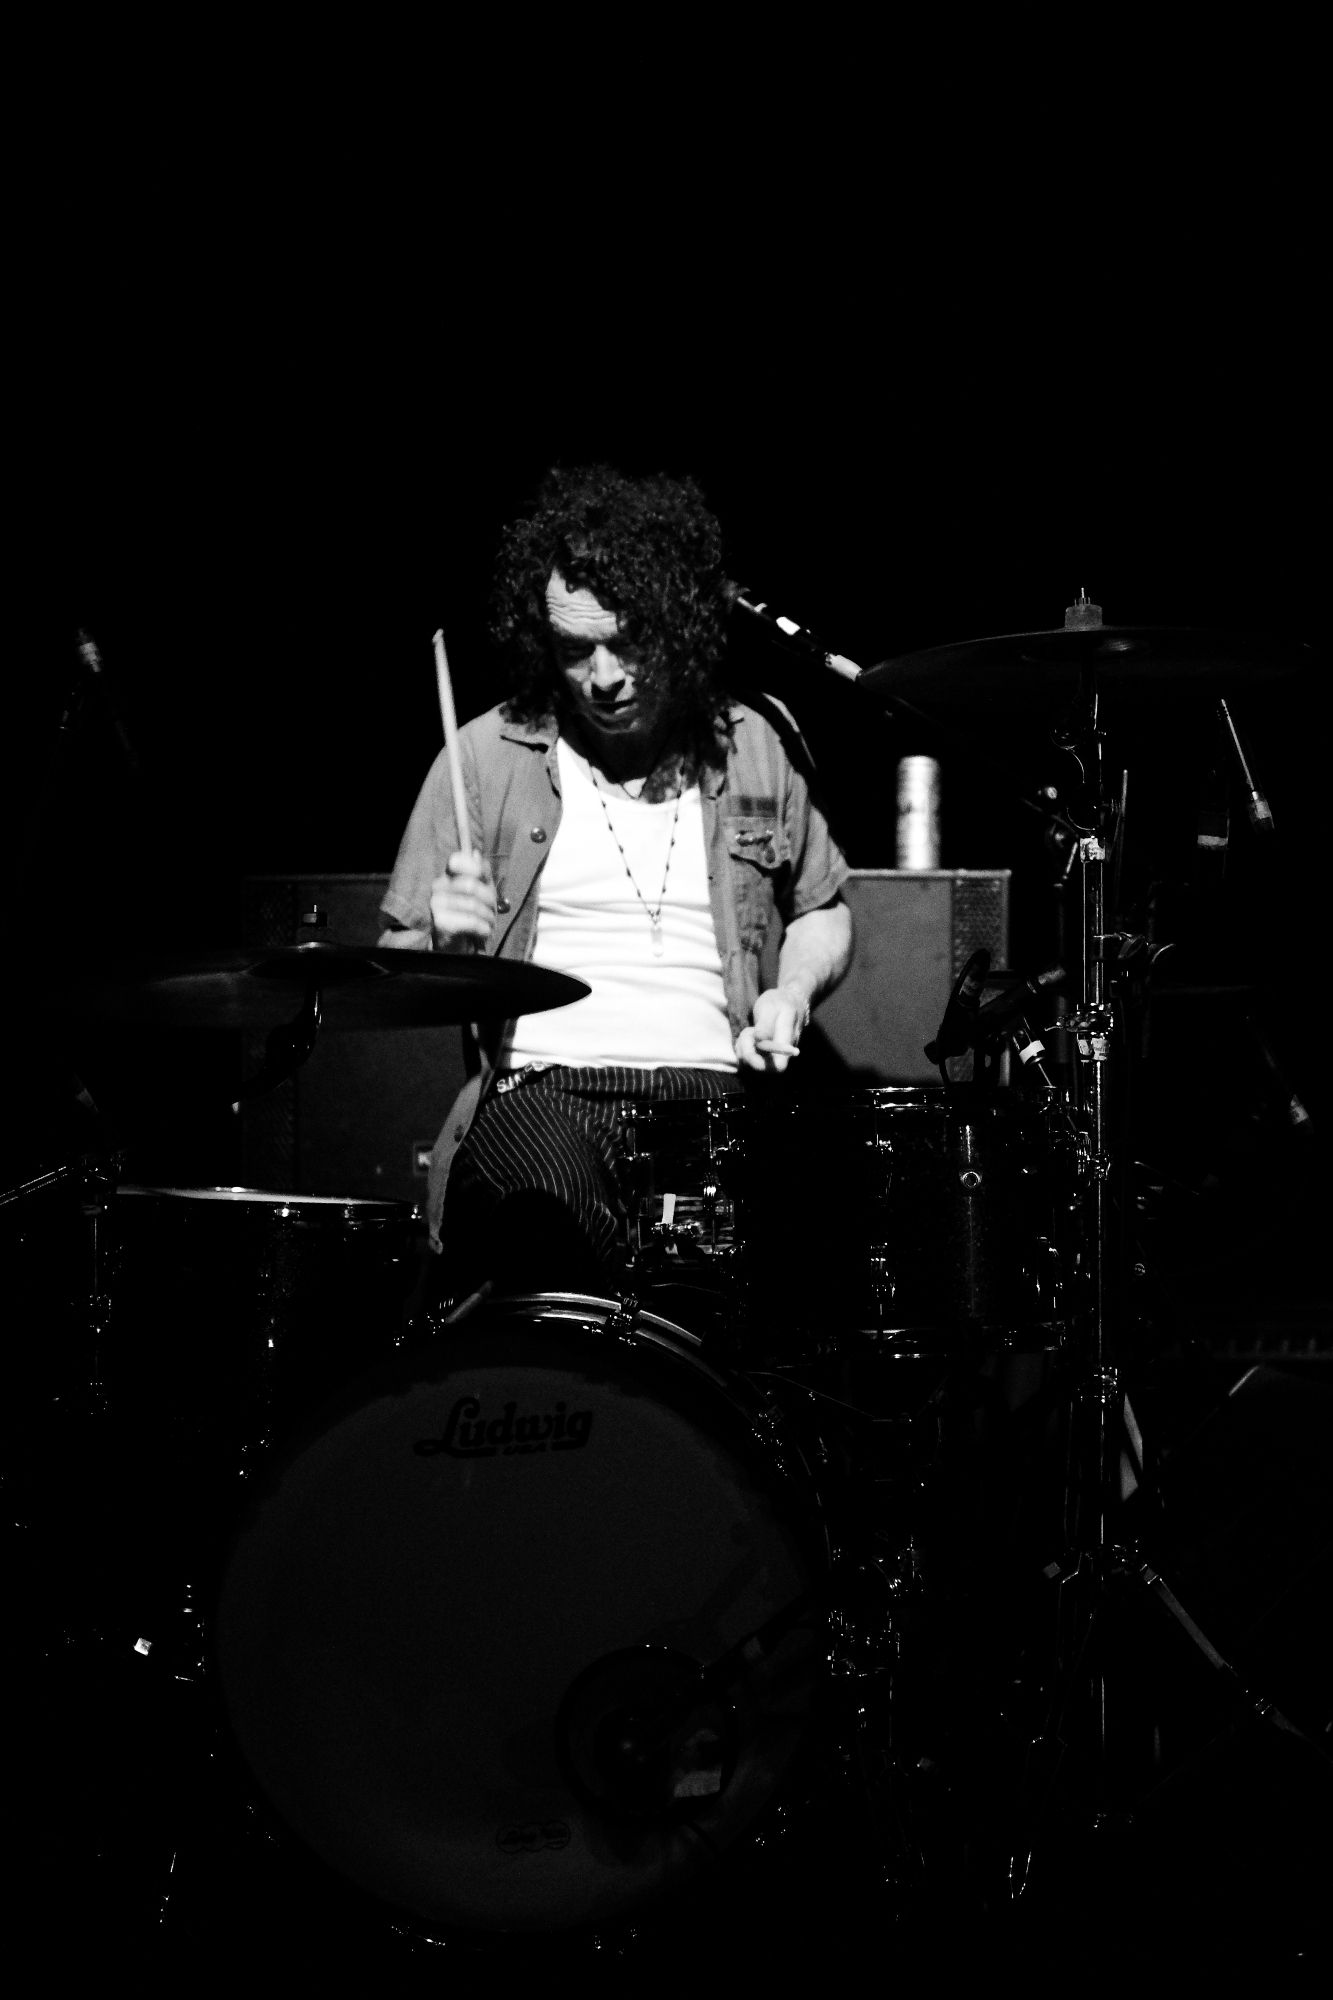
915	931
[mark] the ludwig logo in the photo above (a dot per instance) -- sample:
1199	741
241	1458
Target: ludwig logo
470	1434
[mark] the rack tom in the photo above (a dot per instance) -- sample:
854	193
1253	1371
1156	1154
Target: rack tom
916	1213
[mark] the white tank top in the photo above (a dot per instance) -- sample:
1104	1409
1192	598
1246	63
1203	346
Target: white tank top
657	997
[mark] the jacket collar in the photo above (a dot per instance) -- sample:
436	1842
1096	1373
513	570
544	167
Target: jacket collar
538	735
542	734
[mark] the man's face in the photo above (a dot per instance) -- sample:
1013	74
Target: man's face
601	669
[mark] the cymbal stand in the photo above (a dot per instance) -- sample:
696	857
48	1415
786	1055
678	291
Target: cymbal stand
94	1176
292	1042
1101	1434
1092	1026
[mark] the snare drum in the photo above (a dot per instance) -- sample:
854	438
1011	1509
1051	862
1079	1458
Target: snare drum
526	1637
684	1180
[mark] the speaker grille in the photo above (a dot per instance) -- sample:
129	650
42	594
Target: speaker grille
980	917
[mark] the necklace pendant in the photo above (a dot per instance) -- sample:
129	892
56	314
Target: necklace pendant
658	946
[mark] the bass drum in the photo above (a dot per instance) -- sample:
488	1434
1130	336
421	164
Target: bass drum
525	1636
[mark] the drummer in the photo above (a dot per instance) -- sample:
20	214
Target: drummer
634	827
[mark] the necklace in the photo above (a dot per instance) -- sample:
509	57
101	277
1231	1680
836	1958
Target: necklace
654	916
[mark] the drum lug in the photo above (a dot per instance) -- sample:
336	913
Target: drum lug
622	1323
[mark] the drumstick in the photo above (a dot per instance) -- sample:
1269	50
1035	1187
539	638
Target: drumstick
450	721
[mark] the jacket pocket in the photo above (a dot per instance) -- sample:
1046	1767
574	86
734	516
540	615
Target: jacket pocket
760	856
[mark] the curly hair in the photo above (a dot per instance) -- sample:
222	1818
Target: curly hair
650	550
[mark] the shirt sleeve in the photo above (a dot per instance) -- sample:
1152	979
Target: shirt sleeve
818	865
430	838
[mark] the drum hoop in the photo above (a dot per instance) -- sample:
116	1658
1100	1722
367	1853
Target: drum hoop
708	1110
272	1202
955	1098
591	1311
766	1424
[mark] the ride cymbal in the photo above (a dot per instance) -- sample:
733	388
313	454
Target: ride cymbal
1131	665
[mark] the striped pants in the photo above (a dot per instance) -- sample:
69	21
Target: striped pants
535	1200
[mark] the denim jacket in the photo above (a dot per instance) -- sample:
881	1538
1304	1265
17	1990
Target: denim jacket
767	845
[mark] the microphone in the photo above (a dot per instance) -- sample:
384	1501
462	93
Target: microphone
957	1029
90	659
75	1087
1294	1112
787	630
90	656
642	1735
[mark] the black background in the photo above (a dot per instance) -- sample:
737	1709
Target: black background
949	325
951	320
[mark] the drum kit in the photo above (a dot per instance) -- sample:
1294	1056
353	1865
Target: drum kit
523	1616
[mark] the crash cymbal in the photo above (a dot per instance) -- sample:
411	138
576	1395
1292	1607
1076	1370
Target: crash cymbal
358	987
1131	666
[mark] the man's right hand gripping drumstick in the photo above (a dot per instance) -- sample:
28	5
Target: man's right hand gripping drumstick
462	904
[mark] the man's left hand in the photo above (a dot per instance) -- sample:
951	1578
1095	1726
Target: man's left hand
774	1034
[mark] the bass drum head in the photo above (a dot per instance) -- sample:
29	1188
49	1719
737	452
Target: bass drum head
458	1634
